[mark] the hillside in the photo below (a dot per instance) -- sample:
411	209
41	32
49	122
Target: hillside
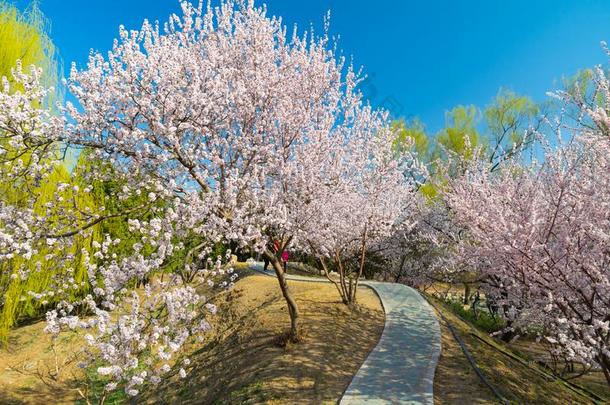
243	360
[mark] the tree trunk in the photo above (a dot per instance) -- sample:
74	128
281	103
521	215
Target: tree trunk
508	334
401	268
605	365
327	274
466	293
341	271
361	267
293	309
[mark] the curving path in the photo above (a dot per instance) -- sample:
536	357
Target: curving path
400	369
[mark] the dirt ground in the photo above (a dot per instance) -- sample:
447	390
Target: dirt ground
34	371
242	360
246	363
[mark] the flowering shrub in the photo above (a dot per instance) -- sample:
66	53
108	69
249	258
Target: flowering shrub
132	333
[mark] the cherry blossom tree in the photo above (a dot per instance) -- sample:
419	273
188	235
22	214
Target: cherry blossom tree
217	119
219	127
414	252
154	326
539	233
220	108
363	192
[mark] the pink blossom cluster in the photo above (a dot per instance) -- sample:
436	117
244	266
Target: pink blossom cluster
224	128
539	234
132	335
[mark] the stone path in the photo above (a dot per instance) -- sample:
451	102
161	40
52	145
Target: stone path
400	369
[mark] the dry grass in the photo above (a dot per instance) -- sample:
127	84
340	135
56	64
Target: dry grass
242	361
517	382
30	353
530	350
246	363
455	382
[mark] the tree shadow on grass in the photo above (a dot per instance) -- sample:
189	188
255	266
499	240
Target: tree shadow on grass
248	365
10	399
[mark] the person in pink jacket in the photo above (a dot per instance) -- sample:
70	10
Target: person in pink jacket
285	257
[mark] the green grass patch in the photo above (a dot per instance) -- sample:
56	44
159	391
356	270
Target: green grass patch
480	318
96	384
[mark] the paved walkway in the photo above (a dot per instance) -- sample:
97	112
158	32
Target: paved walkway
400	369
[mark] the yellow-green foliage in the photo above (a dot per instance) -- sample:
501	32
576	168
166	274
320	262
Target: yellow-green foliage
455	143
507	116
460	135
507	119
582	82
429	190
409	136
40	271
23	36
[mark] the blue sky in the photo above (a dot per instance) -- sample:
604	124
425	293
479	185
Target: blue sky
423	57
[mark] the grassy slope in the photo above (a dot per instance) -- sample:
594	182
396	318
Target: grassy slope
455	382
29	353
517	382
241	361
245	362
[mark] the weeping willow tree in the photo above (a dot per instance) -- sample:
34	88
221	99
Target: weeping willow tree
24	37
